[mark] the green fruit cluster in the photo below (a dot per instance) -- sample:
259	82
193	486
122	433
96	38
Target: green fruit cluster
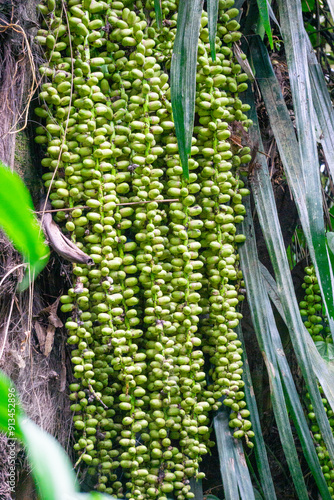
315	320
151	322
323	455
311	308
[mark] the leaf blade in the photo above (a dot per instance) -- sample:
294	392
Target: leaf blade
258	306
323	108
324	370
8	392
158	13
226	456
49	463
268	218
233	466
19	223
183	76
260	449
295	43
264	14
212	7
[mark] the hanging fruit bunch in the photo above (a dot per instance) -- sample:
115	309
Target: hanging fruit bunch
315	320
320	447
311	308
152	322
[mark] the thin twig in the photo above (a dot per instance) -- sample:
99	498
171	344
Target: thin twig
117	205
11	271
263	153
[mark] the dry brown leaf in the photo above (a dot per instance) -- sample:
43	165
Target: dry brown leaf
45	334
53	318
41	334
51	313
49	340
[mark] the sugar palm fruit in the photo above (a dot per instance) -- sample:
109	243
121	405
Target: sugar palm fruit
161	297
311	308
322	452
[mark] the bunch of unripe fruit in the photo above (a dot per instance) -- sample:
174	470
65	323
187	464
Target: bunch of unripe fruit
152	321
315	320
322	452
312	309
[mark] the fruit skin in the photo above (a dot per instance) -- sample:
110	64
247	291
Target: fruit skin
161	297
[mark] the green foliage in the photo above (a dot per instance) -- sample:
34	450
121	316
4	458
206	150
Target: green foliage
306	154
212	7
326	349
268	218
158	13
183	75
51	467
264	14
262	463
8	392
19	223
235	476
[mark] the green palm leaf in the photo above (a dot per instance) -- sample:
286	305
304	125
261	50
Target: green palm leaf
183	75
212	7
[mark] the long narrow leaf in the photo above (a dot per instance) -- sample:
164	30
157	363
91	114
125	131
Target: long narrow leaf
296	409
10	410
293	31
272	16
323	108
289	152
234	470
246	489
212	7
295	44
258	306
290	391
264	14
226	456
158	12
197	488
281	125
183	75
49	463
324	370
19	223
268	218
259	448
